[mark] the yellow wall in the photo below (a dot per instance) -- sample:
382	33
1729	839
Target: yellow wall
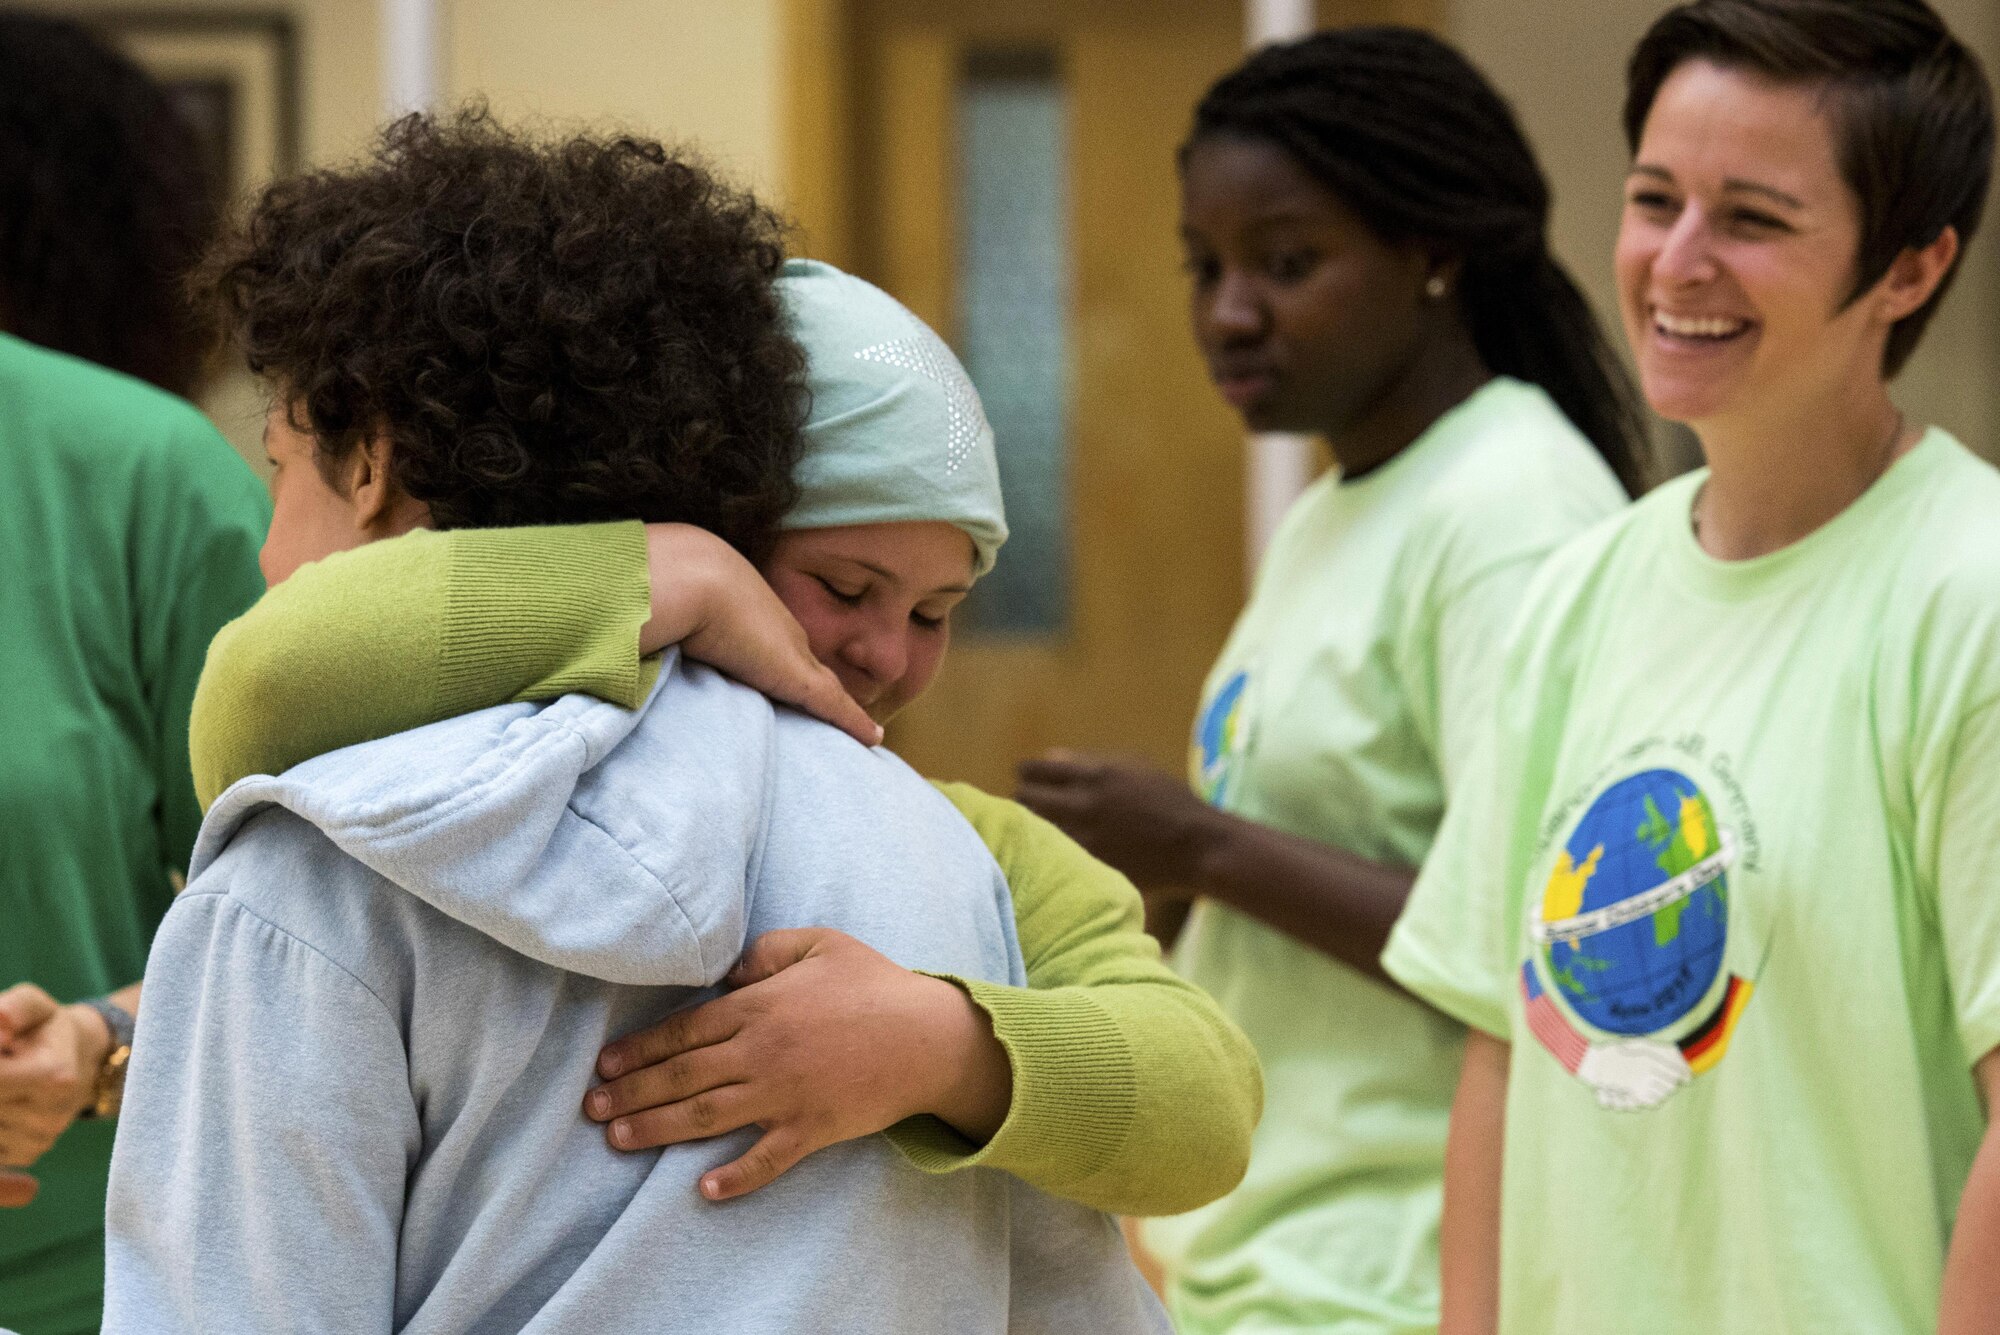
713	73
702	71
337	39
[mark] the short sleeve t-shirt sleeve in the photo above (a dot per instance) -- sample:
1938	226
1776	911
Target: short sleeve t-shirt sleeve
1967	876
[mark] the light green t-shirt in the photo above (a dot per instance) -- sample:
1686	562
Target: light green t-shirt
1724	876
1340	710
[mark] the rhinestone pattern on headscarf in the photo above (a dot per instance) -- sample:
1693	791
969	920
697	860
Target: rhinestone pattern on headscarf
926	355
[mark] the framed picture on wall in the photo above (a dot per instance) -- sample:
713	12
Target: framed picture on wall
235	76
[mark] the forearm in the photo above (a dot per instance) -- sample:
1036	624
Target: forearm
1971	1301
1971	1304
1469	1235
434	624
976	1092
1327	897
1132	1092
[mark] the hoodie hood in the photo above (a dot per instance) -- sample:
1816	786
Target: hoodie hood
495	819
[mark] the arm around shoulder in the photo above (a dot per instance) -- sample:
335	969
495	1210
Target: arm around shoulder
399	633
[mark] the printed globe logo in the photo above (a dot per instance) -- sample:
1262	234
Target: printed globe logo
1630	932
1218	738
1636	911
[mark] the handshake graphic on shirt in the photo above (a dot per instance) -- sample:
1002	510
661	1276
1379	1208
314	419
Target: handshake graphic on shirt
1632	1074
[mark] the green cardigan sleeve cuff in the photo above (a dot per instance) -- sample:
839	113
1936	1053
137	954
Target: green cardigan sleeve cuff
1076	1090
575	628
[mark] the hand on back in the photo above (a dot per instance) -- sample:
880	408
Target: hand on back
711	601
822	1040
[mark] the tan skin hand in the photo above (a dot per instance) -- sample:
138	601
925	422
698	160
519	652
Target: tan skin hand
49	1058
822	1040
711	601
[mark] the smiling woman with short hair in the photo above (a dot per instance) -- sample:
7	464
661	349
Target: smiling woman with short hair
1721	915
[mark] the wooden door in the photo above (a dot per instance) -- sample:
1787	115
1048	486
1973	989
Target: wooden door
1152	539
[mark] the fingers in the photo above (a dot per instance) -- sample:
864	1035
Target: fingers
24	1007
16	1189
714	1021
1058	767
713	1112
1058	802
26	1136
825	698
777	951
683	1077
769	1159
36	1077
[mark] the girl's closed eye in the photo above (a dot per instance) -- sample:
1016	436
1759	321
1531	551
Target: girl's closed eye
840	595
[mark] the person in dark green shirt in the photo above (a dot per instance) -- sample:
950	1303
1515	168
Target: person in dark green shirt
128	533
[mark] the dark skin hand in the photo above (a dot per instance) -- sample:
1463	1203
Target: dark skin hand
1148	824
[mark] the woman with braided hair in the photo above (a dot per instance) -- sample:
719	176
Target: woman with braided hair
1365	230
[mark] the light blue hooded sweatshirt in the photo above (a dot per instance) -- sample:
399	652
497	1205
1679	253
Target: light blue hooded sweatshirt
354	1099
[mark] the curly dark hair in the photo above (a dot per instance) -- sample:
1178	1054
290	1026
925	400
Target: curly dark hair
549	331
106	201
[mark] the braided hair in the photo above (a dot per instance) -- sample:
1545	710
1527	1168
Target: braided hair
1421	148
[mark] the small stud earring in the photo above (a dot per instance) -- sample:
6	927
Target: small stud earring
1435	287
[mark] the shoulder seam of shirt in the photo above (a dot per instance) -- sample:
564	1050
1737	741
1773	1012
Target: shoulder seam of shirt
230	898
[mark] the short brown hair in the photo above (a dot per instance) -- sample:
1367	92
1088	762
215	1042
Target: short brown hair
1911	107
551	332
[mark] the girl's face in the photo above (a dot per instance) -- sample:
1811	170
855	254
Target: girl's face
1303	314
1737	254
876	602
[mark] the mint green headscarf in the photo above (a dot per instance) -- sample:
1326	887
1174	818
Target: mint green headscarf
896	433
